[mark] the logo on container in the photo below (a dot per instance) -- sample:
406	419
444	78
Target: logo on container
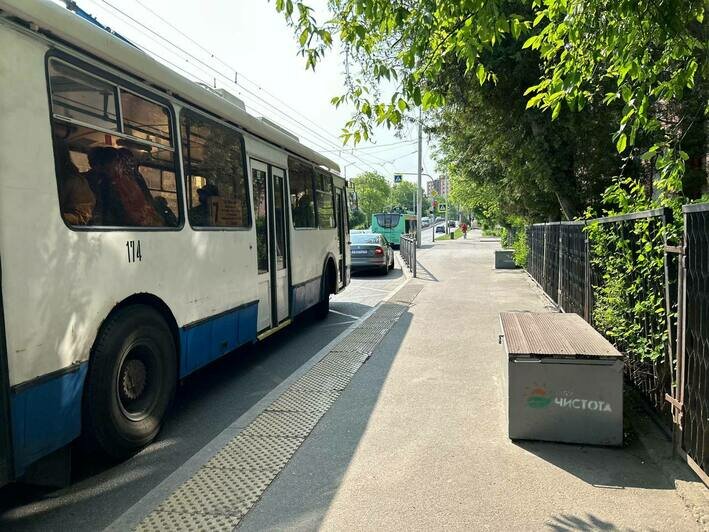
538	398
541	398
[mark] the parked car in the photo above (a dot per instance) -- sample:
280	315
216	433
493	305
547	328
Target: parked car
371	251
451	223
440	229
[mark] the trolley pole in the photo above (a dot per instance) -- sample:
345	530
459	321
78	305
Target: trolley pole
418	186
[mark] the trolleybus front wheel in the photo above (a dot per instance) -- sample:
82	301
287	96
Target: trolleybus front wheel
130	383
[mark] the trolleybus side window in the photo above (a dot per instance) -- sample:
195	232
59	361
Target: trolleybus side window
326	212
215	175
101	161
300	176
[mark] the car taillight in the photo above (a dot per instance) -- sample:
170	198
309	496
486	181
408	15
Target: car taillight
378	251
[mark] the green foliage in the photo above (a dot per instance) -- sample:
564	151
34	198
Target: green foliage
521	249
629	304
372	192
358	220
404	195
644	60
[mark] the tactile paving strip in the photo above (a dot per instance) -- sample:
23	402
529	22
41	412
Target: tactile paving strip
255	452
161	521
215	491
296	399
233	480
323	381
283	424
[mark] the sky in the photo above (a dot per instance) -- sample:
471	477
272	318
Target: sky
219	41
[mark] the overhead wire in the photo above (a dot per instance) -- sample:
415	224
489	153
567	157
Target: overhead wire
371	163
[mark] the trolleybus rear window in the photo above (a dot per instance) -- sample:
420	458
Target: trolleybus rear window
388	221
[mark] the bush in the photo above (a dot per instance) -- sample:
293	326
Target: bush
521	249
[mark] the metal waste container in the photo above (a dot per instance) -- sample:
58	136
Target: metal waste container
564	380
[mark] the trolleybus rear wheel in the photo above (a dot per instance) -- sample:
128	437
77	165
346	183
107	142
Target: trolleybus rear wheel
130	383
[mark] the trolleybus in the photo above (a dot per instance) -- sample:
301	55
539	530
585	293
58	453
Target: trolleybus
394	224
148	226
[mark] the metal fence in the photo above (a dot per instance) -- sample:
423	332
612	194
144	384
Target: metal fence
407	248
573	270
678	382
691	395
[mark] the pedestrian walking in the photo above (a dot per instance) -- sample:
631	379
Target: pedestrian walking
464	228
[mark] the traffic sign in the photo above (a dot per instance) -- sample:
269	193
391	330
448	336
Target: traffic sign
397	178
441	206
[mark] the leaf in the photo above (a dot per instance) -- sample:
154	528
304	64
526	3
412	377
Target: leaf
534	100
402	105
621	143
532	42
556	111
480	73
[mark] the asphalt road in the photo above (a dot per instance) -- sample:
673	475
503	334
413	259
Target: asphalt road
207	402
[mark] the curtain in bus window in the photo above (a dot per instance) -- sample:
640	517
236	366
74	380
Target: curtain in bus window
101	174
300	176
215	175
326	212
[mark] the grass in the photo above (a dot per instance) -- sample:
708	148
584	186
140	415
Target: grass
458	234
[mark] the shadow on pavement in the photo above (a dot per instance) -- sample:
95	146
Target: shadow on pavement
207	402
303	492
568	523
427	274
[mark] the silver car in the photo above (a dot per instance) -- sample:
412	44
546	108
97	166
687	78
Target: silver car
371	251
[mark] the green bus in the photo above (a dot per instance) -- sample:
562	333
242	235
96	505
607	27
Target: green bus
393	224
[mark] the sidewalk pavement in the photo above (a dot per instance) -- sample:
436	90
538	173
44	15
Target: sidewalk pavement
417	441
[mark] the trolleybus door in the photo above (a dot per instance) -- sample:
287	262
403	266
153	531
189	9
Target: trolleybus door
271	243
341	217
259	178
279	244
5	441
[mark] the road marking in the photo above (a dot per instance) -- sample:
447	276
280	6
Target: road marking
343	314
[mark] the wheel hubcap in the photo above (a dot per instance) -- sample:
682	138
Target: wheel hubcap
137	384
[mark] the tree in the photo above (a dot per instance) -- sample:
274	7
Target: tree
358	220
646	57
372	191
404	195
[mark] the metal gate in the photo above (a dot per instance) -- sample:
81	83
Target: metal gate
691	398
6	472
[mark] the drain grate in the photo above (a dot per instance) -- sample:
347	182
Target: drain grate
233	480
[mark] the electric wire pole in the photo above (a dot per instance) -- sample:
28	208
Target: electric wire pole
418	187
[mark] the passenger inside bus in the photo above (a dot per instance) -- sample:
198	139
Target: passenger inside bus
76	200
199	214
119	198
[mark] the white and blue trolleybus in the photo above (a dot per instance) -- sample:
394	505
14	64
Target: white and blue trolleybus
148	226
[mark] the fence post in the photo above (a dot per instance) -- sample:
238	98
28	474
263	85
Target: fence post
587	280
544	261
561	262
